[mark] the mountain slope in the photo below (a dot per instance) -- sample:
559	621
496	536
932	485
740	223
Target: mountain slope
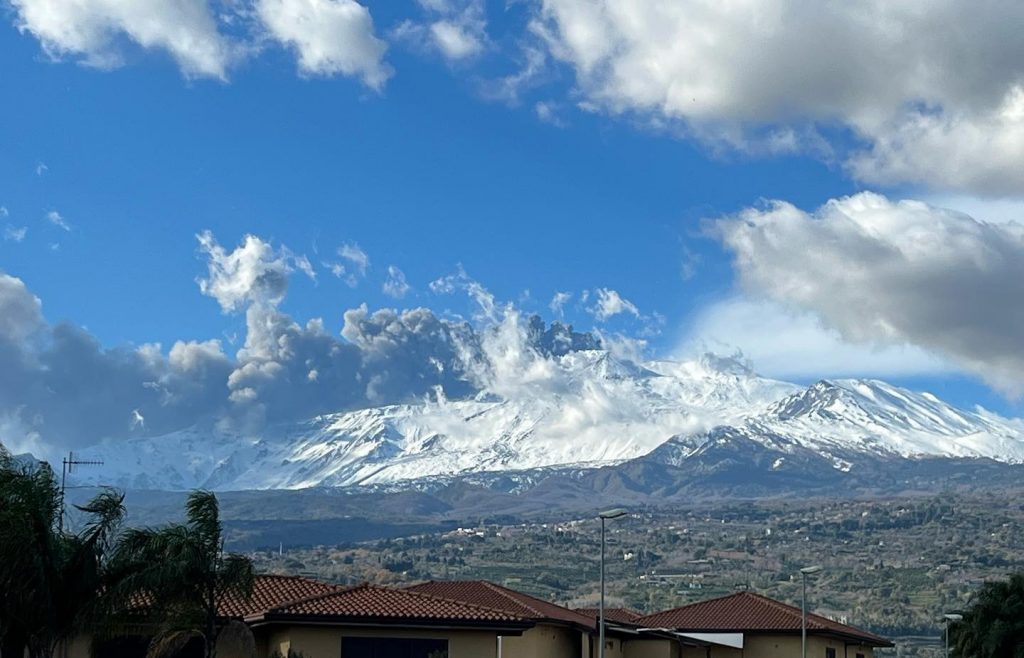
712	418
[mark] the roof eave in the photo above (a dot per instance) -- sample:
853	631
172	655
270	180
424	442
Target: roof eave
516	627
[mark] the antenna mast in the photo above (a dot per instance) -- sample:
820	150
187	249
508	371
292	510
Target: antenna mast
68	465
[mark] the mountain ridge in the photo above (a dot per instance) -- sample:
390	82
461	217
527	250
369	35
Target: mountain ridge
586	410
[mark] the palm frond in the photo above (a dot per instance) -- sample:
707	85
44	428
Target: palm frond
170	644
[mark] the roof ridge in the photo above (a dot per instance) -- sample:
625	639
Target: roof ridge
448	600
339	589
508	594
793	610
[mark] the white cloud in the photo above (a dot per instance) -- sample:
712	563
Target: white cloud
786	343
255	272
610	303
91	31
945	108
396	286
455	41
56	219
558	302
547	111
15	233
889	273
41	168
330	37
358	263
980	208
303	265
22	312
456	29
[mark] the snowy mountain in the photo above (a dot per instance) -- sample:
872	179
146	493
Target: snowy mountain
577	410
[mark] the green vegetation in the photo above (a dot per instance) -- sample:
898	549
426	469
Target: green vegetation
185	572
57	583
891	566
993	626
51	579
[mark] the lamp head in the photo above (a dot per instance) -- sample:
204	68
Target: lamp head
612	513
953	617
807	571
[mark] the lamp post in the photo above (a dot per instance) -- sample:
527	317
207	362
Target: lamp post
806	571
604	516
950	619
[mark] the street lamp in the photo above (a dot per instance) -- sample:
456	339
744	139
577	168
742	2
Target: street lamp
604	516
950	619
806	571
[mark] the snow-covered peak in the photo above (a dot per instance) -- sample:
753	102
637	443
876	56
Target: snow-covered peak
872	415
581	408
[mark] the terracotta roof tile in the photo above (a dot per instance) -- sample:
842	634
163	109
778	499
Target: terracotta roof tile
619	615
488	594
372	602
270	590
746	611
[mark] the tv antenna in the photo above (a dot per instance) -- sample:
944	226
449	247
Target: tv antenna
67	467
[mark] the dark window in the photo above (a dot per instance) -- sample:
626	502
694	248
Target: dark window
830	653
393	647
860	655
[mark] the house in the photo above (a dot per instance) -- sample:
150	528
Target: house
557	631
367	621
289	615
749	625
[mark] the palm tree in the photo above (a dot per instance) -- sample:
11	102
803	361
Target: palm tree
51	579
993	627
183	573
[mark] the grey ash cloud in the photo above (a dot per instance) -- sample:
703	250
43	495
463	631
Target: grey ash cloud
62	389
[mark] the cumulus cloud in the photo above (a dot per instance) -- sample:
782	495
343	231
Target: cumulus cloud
455	29
888	273
92	32
610	303
22	311
396	286
944	108
454	40
254	272
330	37
788	343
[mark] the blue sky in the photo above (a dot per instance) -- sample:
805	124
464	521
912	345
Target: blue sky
536	159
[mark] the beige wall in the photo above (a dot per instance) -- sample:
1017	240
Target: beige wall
543	641
650	648
327	641
788	646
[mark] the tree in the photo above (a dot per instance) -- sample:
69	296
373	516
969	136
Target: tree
182	574
993	627
51	579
